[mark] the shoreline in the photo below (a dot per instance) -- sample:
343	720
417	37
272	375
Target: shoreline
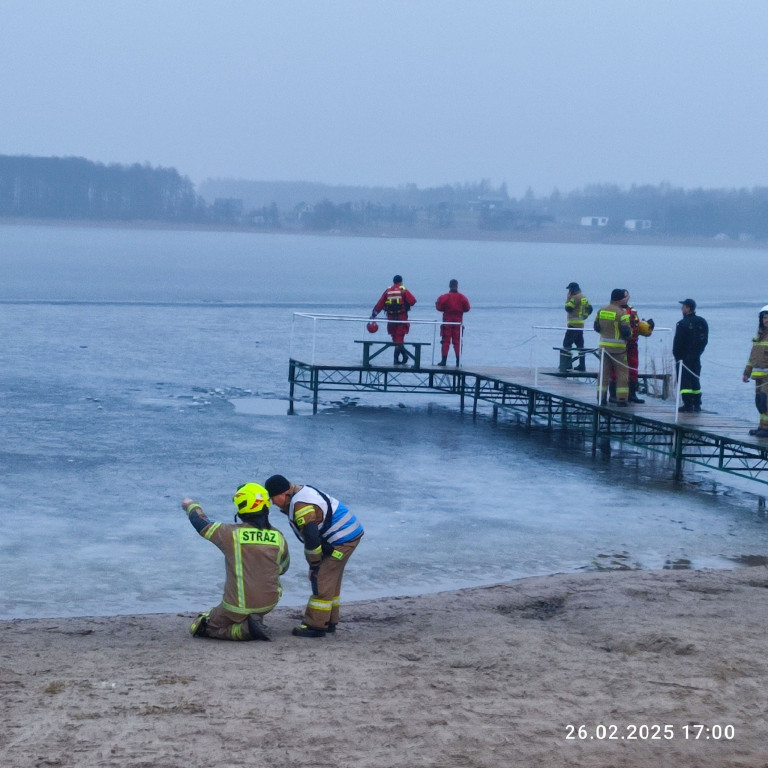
479	677
552	237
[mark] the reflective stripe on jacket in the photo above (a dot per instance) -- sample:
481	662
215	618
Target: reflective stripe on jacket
578	308
612	323
338	527
757	365
255	559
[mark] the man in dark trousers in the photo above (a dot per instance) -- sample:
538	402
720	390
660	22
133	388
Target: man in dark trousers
577	309
453	305
691	336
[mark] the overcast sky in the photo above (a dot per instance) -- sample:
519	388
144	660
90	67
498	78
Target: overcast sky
539	93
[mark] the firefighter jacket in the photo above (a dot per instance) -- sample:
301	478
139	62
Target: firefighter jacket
578	309
453	305
321	522
612	323
691	336
255	560
757	365
396	301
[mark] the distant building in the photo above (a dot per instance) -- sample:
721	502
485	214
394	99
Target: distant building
594	221
637	225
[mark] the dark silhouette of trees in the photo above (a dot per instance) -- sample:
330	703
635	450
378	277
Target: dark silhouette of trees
75	188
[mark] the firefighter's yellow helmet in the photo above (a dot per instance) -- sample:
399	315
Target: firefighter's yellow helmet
250	499
644	328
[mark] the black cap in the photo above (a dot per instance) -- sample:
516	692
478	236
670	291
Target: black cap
572	287
397	279
618	293
276	485
688	303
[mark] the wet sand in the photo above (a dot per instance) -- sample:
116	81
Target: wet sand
505	675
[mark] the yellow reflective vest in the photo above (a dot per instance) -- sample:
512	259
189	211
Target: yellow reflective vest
612	323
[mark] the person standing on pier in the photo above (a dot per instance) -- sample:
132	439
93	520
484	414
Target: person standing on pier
691	336
638	328
577	309
453	305
396	301
612	323
757	369
330	533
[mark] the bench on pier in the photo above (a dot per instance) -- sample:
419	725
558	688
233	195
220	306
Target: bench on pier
579	352
373	348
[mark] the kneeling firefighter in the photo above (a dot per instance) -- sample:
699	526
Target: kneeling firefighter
256	556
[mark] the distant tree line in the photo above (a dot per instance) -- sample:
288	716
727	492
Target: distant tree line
75	188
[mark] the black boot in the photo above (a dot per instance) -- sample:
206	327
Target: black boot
612	392
457	361
633	398
256	628
443	360
582	364
565	362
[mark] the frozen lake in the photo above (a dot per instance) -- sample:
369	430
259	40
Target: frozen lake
141	366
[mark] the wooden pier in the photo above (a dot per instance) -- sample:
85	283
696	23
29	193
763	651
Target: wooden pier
548	399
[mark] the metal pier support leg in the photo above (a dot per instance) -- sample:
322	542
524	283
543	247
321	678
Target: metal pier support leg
477	397
315	389
595	425
291	381
678	455
462	383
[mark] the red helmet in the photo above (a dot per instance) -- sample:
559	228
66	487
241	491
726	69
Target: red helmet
372	327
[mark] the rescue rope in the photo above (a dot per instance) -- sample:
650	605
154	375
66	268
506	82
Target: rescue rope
523	343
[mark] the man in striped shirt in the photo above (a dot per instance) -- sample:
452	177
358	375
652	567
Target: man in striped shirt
330	533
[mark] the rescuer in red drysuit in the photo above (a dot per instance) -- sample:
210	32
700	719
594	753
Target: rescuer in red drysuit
453	305
396	301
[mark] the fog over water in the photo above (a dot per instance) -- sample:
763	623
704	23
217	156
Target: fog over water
534	94
140	366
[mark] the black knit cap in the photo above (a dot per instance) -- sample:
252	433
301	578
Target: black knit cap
276	485
618	293
572	287
397	279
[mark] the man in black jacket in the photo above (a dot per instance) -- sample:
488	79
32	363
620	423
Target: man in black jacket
691	336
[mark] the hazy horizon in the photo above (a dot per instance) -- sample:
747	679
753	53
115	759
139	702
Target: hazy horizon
539	95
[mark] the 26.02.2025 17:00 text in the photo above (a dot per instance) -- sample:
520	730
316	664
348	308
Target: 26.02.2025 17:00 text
650	732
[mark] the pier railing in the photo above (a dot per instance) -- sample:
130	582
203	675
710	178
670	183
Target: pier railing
323	336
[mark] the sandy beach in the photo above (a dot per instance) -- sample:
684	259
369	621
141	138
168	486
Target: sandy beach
631	668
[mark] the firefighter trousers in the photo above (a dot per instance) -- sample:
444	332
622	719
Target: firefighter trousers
614	367
225	625
323	606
